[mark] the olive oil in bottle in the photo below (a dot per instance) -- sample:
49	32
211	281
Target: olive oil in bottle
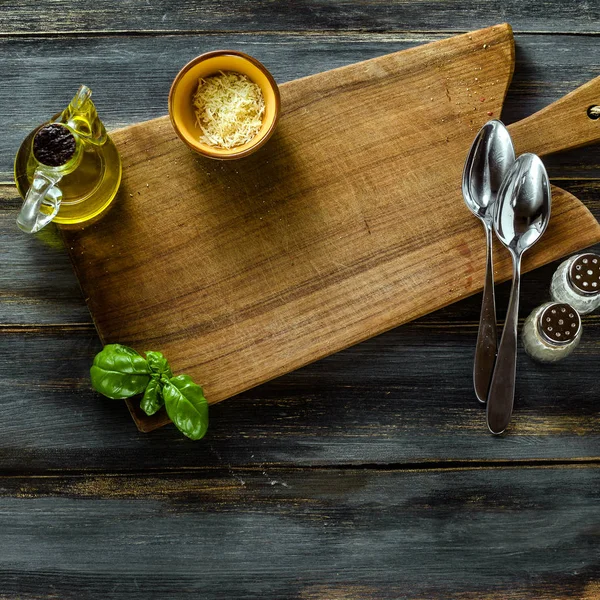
69	169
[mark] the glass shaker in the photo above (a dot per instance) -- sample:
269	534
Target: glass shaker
551	332
577	282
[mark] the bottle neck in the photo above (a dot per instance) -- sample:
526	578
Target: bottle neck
56	149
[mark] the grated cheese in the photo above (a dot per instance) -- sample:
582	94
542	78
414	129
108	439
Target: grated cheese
229	109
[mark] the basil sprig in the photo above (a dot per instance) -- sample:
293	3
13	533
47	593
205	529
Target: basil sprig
120	372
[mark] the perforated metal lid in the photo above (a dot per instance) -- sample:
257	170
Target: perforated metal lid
584	274
559	323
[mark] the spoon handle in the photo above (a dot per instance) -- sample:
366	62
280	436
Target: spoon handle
487	336
502	388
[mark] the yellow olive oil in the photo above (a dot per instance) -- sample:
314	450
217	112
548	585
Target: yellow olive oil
89	189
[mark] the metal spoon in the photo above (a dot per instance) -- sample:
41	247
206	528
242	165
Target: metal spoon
489	160
522	214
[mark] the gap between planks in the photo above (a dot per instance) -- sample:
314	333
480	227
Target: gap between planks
45	328
374	33
408	467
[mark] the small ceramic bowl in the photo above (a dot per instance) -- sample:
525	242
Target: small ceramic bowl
181	108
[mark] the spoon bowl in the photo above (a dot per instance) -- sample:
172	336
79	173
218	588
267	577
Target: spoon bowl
523	209
489	160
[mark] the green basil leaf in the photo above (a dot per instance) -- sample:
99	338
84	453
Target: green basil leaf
158	363
186	406
119	372
152	400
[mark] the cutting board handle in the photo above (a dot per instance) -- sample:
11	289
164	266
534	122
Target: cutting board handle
568	123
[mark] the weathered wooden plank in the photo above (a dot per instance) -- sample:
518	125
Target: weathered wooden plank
515	534
37	284
313	15
131	76
403	397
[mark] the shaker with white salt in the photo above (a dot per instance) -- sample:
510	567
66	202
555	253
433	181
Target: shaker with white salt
551	332
577	282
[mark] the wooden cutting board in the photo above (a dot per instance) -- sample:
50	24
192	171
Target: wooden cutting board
349	222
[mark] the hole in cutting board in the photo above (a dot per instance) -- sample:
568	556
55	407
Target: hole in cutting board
593	112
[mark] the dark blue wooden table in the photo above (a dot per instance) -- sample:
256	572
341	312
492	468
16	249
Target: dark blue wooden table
369	474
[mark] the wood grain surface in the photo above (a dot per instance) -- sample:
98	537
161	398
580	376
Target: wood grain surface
92	509
32	17
301	533
321	239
